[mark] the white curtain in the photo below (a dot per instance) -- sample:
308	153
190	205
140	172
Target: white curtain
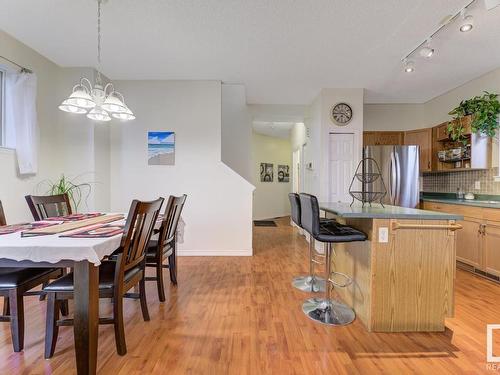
21	126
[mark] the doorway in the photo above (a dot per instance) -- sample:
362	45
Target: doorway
341	165
297	171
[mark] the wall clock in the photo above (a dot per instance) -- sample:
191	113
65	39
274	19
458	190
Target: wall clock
341	114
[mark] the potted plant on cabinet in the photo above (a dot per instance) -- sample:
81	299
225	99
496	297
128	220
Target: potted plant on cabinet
482	112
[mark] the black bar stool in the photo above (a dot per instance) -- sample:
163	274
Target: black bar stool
307	283
325	310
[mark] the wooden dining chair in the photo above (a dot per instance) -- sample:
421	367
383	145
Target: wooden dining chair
116	277
15	283
42	207
3	221
165	247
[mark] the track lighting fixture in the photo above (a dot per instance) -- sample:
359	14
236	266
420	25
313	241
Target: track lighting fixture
467	22
425	49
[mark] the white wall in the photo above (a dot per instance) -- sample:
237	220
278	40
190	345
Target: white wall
430	113
320	126
277	112
270	199
69	144
394	117
298	136
218	210
13	188
236	130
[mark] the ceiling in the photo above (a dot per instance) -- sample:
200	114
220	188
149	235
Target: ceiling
273	129
284	51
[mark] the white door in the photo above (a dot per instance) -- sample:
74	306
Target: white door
341	165
296	171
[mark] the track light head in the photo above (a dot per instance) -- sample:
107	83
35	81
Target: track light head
467	23
427	51
409	66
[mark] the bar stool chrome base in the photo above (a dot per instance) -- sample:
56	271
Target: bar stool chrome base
306	283
328	312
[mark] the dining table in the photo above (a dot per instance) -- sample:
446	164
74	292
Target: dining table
84	256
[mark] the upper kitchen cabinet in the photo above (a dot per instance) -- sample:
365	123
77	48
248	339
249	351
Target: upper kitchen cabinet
448	155
377	138
423	139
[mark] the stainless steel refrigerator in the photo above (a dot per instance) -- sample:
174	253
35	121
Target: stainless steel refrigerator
399	166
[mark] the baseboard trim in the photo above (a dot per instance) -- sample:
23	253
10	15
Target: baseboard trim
215	253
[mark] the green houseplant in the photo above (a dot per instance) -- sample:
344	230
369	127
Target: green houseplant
64	185
484	110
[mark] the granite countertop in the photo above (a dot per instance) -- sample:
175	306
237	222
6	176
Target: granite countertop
486	201
376	211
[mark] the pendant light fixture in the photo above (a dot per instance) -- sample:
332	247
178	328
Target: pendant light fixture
100	102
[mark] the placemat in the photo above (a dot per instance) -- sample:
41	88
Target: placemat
70	225
8	229
75	217
96	231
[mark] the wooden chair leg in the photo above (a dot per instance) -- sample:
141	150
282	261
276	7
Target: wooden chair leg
159	280
121	345
16	319
142	297
42	294
64	307
6	307
51	328
172	268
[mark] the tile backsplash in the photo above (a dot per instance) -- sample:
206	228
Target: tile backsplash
449	182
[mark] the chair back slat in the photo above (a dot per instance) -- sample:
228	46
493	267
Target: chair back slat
138	229
309	213
43	207
171	219
295	208
3	221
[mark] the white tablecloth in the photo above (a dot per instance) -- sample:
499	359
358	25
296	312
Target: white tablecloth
53	248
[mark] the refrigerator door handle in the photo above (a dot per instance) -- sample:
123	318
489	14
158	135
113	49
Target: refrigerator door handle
397	195
392	181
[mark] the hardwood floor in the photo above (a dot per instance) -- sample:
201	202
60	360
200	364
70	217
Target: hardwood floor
242	316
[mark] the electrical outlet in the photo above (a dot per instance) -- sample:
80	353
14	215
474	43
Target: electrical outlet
477	185
383	234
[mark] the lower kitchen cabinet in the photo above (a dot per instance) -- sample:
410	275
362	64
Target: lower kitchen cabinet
478	242
469	241
491	248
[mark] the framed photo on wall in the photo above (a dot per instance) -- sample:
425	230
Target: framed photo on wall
266	172
283	173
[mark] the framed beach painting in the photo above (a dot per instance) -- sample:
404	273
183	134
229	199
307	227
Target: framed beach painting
161	148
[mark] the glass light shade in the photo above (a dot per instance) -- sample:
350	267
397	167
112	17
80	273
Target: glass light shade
67	107
467	24
98	114
409	67
127	115
113	104
426	52
80	98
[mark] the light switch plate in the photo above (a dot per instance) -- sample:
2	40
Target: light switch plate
383	234
477	185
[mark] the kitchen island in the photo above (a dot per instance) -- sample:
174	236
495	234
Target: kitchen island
403	274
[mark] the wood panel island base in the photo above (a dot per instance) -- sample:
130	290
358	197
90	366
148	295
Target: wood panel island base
403	275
